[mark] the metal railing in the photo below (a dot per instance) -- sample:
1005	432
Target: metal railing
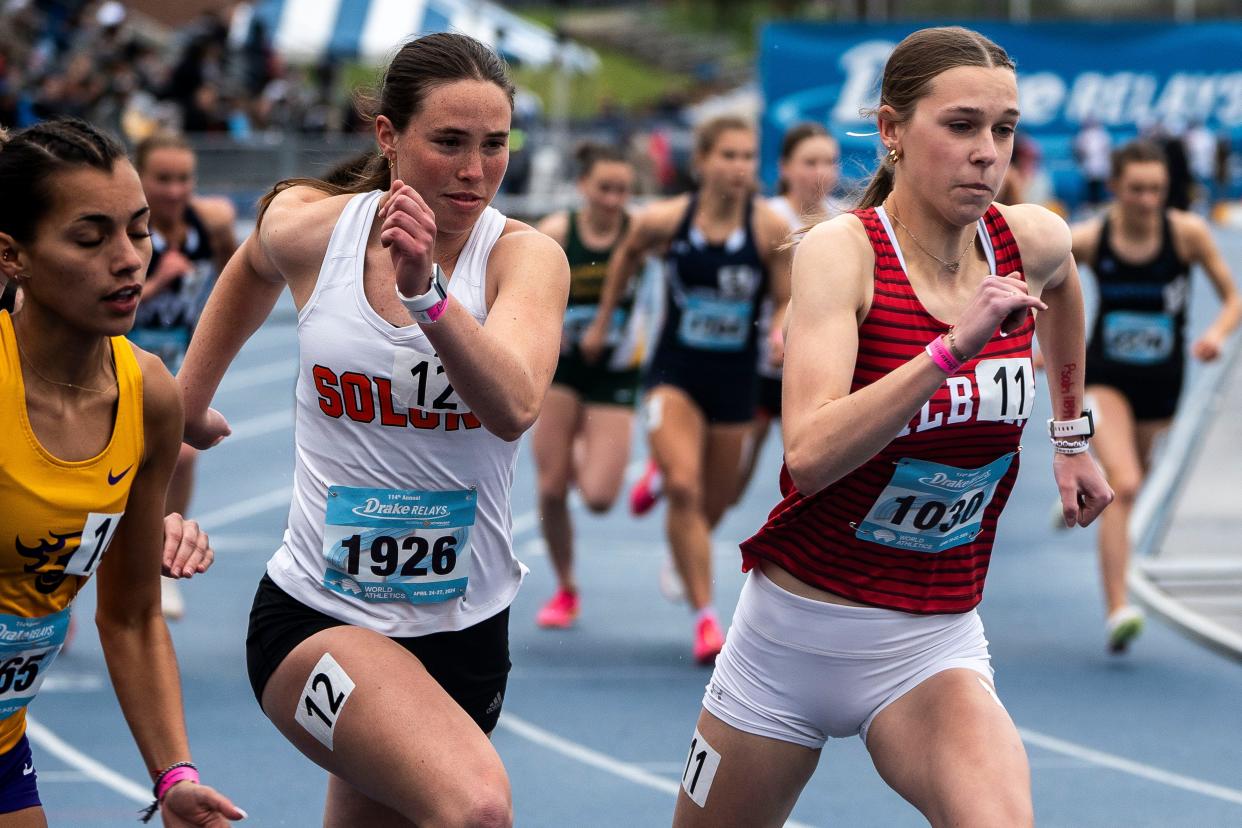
1153	510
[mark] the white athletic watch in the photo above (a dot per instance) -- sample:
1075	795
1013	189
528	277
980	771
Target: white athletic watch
427	307
1083	427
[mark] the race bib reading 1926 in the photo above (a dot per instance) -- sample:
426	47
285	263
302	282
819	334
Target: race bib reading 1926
394	545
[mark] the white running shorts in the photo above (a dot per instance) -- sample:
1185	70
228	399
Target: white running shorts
801	670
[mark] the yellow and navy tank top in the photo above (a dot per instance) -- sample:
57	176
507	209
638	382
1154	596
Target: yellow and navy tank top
588	269
56	520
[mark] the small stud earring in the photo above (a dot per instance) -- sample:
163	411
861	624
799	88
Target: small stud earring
893	157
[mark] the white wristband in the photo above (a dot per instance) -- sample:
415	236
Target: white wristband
429	306
1083	426
1070	446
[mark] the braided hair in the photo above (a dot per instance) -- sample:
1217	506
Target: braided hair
31	157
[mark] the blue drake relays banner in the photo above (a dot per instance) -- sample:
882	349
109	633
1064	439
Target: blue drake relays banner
1123	75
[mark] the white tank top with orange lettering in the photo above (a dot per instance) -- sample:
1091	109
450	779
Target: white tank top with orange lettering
400	520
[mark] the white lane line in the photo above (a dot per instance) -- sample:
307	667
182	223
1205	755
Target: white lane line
261	425
241	510
62	776
285	369
594	758
68	681
53	744
1152	774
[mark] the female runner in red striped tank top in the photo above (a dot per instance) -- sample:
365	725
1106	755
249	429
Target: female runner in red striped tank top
908	380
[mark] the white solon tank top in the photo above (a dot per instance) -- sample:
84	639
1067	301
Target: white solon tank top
400	518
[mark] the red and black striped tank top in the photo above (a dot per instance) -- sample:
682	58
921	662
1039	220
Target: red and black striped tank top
912	528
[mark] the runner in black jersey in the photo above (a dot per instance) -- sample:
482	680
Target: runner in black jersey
191	239
1141	255
810	167
722	255
583	432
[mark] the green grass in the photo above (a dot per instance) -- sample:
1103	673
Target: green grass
627	83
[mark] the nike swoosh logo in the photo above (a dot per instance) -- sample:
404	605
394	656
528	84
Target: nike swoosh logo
113	479
29	769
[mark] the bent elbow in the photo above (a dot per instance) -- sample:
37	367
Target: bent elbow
513	424
804	473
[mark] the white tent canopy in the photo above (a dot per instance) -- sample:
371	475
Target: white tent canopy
372	30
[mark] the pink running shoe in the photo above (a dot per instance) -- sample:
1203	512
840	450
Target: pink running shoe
560	612
647	492
708	641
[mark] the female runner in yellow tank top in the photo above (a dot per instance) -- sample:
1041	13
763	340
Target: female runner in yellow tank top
94	426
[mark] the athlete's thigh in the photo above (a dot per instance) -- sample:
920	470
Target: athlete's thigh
604	442
552	443
949	747
25	818
396	736
735	778
723	466
1146	432
676	431
1114	443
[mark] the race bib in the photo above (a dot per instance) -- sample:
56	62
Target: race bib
929	507
28	646
712	324
1006	389
419	381
393	545
579	317
97	534
1138	338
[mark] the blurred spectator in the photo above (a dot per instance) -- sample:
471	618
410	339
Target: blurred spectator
1201	153
1224	156
1093	148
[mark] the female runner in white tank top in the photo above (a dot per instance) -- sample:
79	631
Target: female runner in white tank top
428	326
810	166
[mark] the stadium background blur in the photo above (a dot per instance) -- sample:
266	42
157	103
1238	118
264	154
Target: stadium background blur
264	94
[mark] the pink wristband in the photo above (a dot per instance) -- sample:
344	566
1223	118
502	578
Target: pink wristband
942	356
437	310
174	776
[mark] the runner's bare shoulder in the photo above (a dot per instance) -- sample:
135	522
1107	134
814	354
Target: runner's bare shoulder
295	229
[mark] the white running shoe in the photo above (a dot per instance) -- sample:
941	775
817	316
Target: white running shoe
171	602
1124	626
671	587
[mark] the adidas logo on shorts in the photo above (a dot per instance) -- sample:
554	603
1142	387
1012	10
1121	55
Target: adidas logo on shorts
496	702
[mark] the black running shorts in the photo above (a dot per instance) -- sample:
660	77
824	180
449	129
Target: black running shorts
472	665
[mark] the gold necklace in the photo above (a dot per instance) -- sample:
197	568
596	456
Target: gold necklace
953	266
40	375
